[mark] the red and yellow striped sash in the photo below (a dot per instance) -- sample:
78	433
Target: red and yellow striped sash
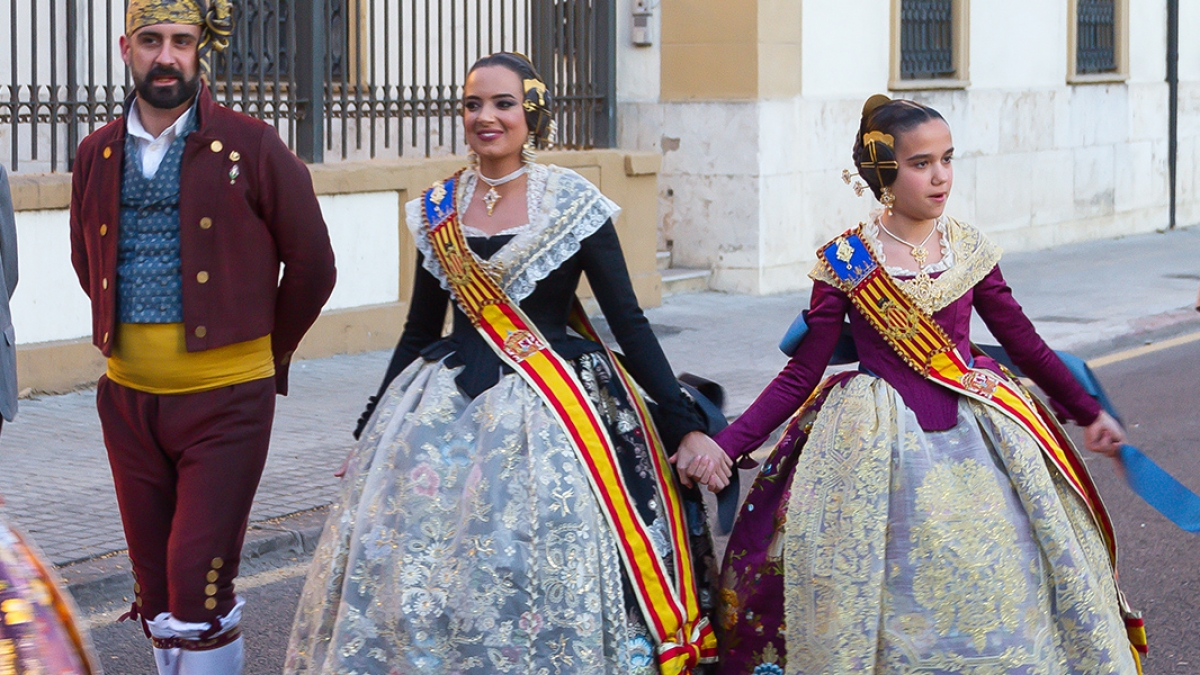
670	605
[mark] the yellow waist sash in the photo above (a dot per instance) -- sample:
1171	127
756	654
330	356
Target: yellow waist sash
153	357
670	606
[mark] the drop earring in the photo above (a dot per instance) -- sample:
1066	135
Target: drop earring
887	198
528	152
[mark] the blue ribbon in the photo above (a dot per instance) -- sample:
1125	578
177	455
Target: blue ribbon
1147	480
1160	489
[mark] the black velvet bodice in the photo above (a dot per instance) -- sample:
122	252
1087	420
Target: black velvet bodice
549	307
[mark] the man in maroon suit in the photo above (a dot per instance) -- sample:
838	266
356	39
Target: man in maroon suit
181	214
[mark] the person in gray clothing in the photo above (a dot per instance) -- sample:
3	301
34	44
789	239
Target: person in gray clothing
8	277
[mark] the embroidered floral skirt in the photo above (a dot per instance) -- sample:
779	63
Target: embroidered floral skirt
38	631
882	548
467	539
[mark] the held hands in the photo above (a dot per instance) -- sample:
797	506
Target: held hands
700	460
1104	435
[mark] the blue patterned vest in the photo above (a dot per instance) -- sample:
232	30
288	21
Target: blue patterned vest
149	277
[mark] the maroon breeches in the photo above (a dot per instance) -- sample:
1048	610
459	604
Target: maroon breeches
186	467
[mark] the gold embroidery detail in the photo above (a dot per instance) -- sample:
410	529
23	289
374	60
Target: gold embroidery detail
438	193
835	555
845	252
901	323
974	257
962	573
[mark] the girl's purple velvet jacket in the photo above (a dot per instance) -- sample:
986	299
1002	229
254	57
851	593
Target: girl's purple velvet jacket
936	408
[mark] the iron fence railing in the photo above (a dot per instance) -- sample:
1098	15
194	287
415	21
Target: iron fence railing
1095	49
339	79
926	39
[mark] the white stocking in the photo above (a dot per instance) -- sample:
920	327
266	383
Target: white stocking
224	660
167	661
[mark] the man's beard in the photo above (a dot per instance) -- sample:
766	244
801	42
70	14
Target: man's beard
167	98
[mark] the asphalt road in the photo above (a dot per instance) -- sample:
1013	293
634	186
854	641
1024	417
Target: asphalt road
1158	396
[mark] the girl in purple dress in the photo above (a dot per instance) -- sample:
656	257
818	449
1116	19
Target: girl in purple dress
901	525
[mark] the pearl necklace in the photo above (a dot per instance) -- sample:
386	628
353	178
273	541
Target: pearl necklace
492	196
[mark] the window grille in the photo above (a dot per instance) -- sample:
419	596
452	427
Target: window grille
926	39
1096	30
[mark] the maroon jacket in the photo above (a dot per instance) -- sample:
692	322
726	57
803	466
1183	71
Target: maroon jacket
235	230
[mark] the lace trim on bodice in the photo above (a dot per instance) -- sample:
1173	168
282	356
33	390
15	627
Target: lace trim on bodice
564	209
873	233
971	257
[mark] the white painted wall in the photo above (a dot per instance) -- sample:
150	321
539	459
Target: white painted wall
1019	44
49	304
845	47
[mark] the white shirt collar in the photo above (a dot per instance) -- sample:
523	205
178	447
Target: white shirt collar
133	124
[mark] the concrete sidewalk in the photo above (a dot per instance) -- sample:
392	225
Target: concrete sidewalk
1091	299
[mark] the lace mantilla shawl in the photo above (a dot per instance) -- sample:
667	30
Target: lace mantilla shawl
973	256
564	209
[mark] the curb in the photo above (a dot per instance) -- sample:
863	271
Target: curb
1143	331
105	583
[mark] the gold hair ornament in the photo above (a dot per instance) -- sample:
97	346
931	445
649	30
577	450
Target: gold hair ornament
873	103
858	186
871	142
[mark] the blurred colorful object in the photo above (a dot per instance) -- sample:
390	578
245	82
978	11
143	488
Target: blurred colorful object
39	632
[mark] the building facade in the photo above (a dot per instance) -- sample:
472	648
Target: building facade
1059	110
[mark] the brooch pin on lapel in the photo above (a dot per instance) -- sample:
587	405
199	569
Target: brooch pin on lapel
234	171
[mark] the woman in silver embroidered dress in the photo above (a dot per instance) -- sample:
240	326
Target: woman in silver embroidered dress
900	526
467	538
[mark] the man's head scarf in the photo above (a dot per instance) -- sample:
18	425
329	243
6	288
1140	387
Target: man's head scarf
215	18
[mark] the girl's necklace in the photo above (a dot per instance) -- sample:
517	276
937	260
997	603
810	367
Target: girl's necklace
918	251
921	289
492	196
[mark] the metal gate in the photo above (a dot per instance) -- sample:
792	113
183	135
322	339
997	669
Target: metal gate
340	79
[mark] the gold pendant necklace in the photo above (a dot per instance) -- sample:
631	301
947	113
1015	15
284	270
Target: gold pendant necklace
491	197
922	288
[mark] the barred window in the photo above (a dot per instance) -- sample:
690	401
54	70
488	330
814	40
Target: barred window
260	46
927	39
1096	44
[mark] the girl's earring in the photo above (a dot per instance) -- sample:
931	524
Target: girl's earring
887	198
528	153
472	159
